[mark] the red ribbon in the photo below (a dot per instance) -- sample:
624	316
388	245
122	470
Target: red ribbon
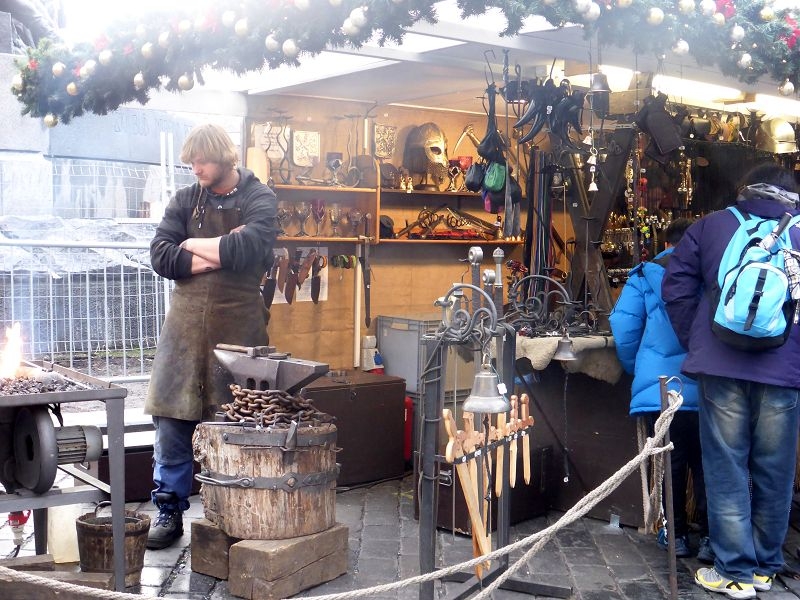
726	7
791	39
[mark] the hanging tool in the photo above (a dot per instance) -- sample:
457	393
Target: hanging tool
527	421
269	282
320	262
305	267
511	426
292	276
365	269
454	453
282	258
500	433
508	207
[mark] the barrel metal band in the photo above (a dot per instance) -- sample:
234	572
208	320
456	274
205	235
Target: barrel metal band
288	482
278	439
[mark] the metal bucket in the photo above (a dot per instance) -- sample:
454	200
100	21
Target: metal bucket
96	547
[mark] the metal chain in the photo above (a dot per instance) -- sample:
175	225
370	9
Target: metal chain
271	408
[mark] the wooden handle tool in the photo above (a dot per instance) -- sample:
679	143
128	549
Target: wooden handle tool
512	449
453	452
526	440
500	433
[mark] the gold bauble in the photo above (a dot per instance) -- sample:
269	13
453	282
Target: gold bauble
655	16
289	48
16	82
185	26
718	19
241	28
767	13
271	43
58	69
138	80
624	3
185	82
687	7
72	88
50	120
786	88
105	57
163	39
147	50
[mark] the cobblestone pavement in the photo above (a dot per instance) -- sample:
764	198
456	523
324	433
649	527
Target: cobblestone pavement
598	561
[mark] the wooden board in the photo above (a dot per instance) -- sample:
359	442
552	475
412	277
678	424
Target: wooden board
210	549
14	589
261	569
38	562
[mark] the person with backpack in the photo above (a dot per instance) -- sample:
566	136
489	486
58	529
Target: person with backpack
748	404
648	348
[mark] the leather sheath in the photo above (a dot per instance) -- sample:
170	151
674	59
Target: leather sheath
305	266
291	278
283	271
268	291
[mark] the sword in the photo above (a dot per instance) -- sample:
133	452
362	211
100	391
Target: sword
364	258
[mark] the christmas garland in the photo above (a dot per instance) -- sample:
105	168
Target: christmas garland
745	40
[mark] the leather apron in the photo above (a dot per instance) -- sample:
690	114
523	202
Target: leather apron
223	306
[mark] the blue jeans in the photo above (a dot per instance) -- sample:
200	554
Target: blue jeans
174	463
748	433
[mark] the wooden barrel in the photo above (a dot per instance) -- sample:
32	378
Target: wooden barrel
265	484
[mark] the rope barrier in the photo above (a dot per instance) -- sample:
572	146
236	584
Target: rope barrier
651	447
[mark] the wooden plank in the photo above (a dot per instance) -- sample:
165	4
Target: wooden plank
325	569
38	562
273	559
12	588
210	549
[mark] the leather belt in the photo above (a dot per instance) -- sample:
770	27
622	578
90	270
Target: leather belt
288	482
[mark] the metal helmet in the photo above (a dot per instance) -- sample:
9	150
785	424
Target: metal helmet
777	136
426	151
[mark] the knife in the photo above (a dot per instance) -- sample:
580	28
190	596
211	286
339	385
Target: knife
320	262
291	277
269	283
282	258
305	267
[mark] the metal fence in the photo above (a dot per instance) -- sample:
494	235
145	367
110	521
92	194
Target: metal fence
95	308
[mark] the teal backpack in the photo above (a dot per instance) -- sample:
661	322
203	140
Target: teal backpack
755	300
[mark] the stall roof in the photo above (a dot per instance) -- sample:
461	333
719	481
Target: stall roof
445	66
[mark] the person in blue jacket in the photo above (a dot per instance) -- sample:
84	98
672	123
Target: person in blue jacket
647	348
748	402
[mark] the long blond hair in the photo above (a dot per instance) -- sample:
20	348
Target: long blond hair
209	142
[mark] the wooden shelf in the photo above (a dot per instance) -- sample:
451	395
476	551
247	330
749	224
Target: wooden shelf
313	240
328	189
458	242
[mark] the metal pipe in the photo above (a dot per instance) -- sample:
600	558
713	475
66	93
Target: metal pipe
670	509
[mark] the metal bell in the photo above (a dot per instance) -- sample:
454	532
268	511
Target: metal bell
565	349
484	397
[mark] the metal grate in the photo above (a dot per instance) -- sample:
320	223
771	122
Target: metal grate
98	309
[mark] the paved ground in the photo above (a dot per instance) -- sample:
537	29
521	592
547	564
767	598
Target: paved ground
598	561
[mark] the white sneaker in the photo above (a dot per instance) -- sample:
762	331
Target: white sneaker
708	578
